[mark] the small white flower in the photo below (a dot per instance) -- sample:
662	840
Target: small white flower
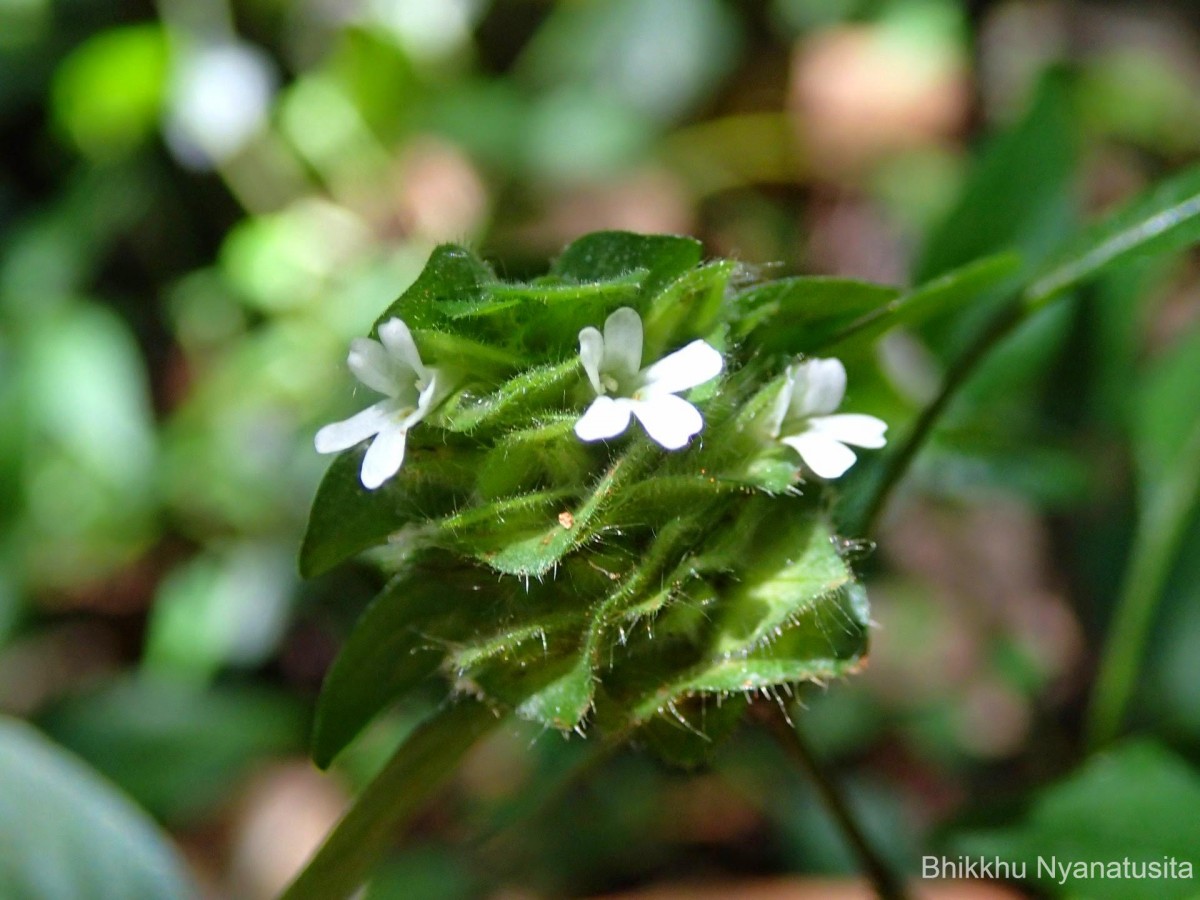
801	418
393	367
612	362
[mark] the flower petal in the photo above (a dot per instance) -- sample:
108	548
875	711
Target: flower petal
695	364
372	365
821	453
384	456
851	428
783	402
345	434
605	418
591	354
623	344
400	344
441	383
669	420
820	387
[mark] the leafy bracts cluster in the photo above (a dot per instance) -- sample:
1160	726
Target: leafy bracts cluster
611	581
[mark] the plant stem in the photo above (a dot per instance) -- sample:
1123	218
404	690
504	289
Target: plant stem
422	763
888	884
1161	529
862	521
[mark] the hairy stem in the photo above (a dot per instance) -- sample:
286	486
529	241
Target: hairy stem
888	884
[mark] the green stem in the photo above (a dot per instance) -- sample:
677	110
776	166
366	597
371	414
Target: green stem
417	769
862	521
888	884
1161	528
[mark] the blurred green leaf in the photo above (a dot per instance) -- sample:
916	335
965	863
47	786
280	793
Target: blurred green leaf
347	518
1136	801
1167	450
618	49
420	765
227	607
108	92
1016	196
1165	219
68	833
945	292
798	315
177	748
398	641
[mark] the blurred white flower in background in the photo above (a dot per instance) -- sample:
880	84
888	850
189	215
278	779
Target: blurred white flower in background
218	98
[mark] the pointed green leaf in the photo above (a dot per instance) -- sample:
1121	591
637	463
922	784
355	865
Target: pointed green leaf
796	564
606	255
1136	802
1017	195
399	641
418	768
68	833
564	702
347	518
1164	219
797	315
955	288
453	276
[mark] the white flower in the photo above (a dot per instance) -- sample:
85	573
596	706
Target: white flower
394	368
612	362
802	419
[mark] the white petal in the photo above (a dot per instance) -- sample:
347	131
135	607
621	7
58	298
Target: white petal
605	418
591	354
669	420
783	401
441	383
695	364
373	366
384	456
345	434
851	428
820	386
623	344
399	342
821	453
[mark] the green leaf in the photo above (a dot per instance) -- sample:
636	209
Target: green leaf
1167	450
347	518
398	793
1163	220
558	529
454	276
609	255
68	833
178	749
797	315
398	641
514	402
1017	195
795	565
1137	801
565	701
945	292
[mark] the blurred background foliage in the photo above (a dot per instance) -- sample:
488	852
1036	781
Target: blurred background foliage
202	201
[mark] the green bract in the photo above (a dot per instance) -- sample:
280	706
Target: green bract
613	583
